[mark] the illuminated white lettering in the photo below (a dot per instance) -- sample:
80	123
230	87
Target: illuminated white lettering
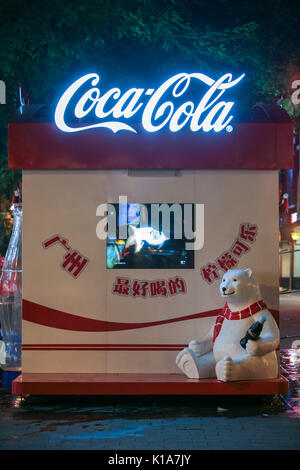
162	108
129	108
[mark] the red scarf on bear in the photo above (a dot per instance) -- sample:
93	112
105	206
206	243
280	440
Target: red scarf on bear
229	315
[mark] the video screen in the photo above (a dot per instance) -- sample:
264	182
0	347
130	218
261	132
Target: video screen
150	236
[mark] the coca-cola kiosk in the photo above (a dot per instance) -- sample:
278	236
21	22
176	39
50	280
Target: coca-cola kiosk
135	204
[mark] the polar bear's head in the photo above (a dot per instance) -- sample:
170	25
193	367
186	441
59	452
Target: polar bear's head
239	287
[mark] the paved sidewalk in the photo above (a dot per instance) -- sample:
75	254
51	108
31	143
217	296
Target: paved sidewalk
155	423
289	319
148	423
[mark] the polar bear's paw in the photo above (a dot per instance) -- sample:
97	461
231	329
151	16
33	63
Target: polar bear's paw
225	369
186	362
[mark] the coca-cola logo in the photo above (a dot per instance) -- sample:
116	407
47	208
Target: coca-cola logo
159	108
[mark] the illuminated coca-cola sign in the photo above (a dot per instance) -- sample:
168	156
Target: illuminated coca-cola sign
164	107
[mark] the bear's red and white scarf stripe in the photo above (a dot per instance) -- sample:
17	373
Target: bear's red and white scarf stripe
229	315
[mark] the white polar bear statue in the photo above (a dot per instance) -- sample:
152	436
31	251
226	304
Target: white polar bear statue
219	354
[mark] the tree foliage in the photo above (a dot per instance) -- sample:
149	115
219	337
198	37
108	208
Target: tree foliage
47	43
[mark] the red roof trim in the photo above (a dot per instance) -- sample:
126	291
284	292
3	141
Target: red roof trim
41	146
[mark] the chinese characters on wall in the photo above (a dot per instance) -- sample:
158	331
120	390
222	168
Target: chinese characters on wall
229	259
157	288
73	262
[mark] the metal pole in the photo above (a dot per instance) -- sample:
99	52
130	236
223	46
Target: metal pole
291	265
280	266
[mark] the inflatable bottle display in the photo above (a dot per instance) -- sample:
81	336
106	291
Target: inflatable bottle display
11	294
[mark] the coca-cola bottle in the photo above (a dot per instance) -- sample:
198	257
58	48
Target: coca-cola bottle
253	332
11	294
